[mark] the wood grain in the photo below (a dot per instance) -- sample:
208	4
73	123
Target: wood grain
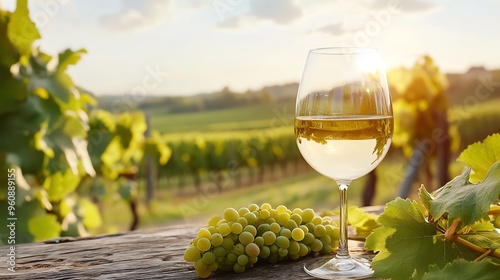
145	254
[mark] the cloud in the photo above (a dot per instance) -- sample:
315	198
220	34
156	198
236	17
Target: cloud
136	14
414	6
335	29
280	12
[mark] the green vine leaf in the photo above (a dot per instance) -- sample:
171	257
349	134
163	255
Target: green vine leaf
61	184
21	31
44	227
480	156
462	269
406	243
462	200
486	239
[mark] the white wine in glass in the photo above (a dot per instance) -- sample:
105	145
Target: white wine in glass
343	128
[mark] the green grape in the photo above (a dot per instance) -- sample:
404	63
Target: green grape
204	233
275	227
296	218
298	234
297	211
263	228
242	211
236	228
227	243
283	218
259	240
224	229
316	246
269	221
310	226
319	230
282	252
326	249
253	259
212	229
294	247
252	250
200	265
246	238
192	254
251	229
269	237
216	239
232	257
242	221
253	207
497	222
291	224
326	239
251	218
239	249
214	220
238	268
307	215
264	252
274	249
242	260
203	273
281	209
286	233
266	206
213	267
283	242
208	258
241	237
304	250
203	244
317	221
220	222
304	229
273	213
308	238
231	215
264	214
219	251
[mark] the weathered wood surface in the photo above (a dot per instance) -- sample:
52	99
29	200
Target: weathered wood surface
145	254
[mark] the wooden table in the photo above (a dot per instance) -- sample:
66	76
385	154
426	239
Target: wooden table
145	254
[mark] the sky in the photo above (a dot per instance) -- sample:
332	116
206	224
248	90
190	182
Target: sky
184	47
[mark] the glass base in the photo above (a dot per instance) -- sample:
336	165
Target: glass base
340	268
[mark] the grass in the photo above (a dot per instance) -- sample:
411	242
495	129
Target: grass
243	118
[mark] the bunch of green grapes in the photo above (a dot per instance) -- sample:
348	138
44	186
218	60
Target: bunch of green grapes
241	238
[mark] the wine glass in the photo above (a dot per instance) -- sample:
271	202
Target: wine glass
343	128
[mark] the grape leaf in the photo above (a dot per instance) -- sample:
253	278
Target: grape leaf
462	269
460	199
406	243
90	213
21	30
480	156
69	57
44	227
485	239
60	184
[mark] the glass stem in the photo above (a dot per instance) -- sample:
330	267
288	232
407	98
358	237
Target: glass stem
343	250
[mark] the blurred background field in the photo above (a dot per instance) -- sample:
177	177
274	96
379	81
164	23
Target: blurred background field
147	126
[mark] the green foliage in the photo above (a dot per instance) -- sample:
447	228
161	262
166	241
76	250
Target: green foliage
461	200
44	135
451	226
462	269
419	98
480	156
